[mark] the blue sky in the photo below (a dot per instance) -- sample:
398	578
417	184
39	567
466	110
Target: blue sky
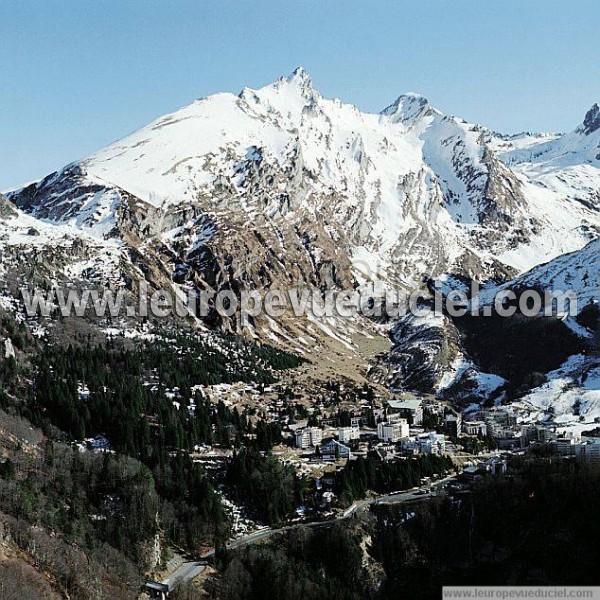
76	75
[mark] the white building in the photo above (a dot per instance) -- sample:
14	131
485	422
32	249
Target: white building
345	434
393	431
429	443
475	428
308	437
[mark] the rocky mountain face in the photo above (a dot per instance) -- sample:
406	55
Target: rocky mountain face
541	361
591	122
280	187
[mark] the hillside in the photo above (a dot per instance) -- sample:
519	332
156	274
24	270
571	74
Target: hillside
279	187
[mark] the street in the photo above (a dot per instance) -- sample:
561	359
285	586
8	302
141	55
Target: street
189	570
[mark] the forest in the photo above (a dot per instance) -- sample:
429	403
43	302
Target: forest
537	525
364	474
120	500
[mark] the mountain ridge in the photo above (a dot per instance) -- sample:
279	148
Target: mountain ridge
279	187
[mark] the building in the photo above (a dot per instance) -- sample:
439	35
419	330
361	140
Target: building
157	590
332	450
506	439
497	465
410	409
478	428
427	443
529	434
357	421
393	431
435	407
471	473
308	437
589	452
564	446
498	418
453	424
535	433
384	453
96	444
589	449
99	443
346	434
326	499
431	443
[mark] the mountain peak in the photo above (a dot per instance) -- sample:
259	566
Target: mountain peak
297	85
591	122
302	81
300	75
407	108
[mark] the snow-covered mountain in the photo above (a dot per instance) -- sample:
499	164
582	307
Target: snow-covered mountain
543	361
284	149
280	186
577	271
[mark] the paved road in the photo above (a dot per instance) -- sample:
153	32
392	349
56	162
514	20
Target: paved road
188	570
184	573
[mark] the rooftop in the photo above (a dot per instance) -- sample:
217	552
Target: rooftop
408	404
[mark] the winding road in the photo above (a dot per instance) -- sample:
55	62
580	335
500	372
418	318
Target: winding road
191	569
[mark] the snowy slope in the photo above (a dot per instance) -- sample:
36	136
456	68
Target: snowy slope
388	171
577	271
572	394
280	186
466	361
579	147
562	170
414	192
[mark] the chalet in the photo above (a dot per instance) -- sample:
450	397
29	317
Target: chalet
99	443
471	473
383	453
